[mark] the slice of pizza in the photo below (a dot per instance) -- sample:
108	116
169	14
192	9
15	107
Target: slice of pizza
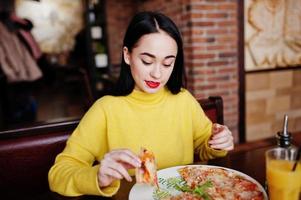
224	184
147	173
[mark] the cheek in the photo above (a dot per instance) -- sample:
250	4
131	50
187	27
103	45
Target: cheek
137	70
168	73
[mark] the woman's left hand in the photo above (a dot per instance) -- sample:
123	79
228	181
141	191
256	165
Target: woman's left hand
221	138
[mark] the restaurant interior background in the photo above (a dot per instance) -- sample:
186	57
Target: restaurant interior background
226	54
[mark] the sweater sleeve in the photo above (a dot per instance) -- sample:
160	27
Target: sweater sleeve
73	173
202	130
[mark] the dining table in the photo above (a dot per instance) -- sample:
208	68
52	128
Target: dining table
248	158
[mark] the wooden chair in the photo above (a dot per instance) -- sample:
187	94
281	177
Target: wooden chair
213	108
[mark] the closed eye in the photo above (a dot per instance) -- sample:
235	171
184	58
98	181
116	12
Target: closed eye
168	64
146	63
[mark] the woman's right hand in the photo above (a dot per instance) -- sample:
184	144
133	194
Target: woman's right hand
114	166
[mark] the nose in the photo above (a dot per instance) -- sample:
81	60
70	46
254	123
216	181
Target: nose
156	71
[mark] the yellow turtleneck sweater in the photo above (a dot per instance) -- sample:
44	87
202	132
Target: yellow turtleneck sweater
172	126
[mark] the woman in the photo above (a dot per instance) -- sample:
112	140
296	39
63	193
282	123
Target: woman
149	108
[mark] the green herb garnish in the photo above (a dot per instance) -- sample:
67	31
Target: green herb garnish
201	190
181	185
160	194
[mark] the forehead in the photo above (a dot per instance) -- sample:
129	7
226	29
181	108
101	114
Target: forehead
158	44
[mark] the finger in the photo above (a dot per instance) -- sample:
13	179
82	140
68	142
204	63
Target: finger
220	146
217	128
227	148
112	173
223	146
220	135
109	163
129	153
122	158
127	166
126	156
223	133
121	170
133	156
220	140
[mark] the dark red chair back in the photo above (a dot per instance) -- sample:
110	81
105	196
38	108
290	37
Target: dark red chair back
26	156
213	108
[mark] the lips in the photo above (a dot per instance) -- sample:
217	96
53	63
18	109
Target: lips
152	84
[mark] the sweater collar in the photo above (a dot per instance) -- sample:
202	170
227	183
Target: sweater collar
147	98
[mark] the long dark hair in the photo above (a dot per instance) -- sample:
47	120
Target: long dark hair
145	23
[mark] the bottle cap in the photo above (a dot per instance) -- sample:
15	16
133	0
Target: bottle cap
284	138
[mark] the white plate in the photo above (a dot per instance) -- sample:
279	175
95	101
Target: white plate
145	192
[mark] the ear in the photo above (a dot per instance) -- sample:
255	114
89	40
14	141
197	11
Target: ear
126	55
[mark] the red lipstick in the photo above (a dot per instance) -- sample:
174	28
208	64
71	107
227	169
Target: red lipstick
152	84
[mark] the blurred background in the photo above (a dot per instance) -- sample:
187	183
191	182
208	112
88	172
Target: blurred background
58	56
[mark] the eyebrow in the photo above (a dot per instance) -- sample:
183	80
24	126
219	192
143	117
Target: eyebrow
153	56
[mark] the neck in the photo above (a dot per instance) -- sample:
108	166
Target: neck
148	98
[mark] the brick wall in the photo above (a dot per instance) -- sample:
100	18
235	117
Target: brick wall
213	63
209	30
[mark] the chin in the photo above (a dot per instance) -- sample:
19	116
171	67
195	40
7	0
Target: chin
151	90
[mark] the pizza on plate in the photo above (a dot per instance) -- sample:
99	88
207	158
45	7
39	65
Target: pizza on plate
208	183
147	173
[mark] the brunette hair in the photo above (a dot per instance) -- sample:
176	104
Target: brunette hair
145	23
